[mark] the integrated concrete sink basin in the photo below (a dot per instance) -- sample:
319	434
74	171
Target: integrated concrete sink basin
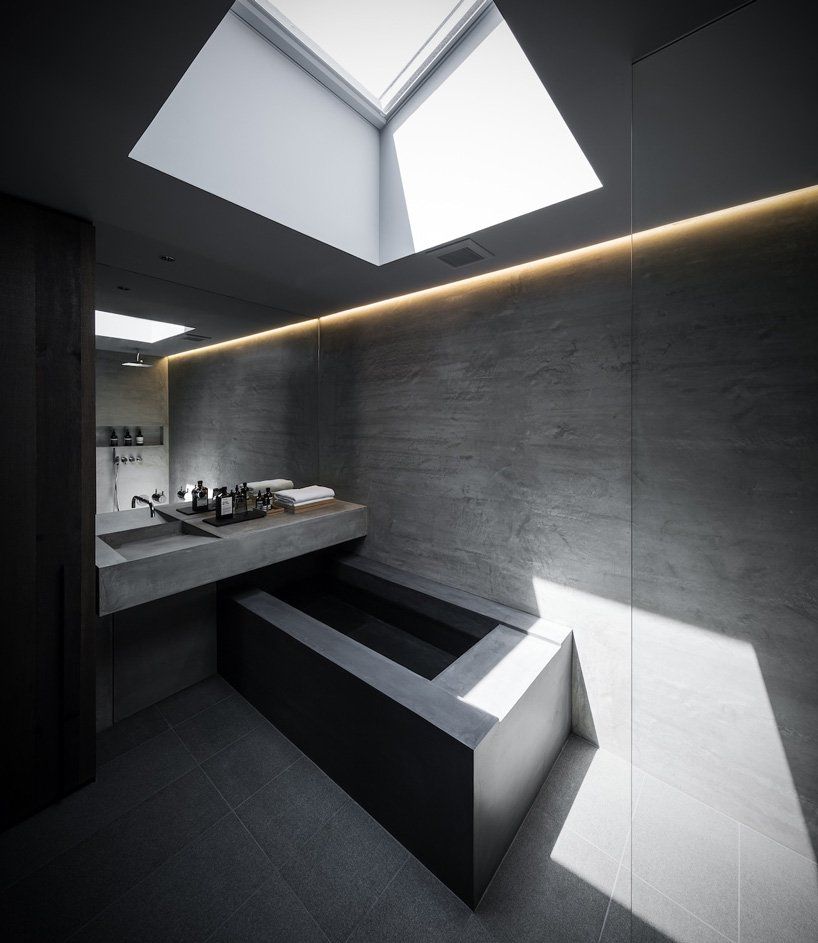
155	539
142	558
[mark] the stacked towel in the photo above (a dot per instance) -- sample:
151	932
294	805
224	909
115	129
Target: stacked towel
301	497
274	484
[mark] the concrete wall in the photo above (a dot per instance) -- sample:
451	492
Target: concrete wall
131	397
249	125
725	500
246	411
725	512
486	427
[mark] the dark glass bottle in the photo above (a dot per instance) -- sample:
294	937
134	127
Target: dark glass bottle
199	497
114	438
140	439
224	504
127	440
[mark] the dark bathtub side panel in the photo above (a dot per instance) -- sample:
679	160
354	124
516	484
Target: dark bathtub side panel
413	778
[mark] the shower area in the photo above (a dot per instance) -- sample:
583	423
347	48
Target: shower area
723	649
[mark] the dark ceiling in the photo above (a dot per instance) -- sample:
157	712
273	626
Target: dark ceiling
82	81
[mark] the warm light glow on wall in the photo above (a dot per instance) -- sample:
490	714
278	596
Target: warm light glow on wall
733	214
250	338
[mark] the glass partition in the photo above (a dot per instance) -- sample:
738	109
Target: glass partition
725	453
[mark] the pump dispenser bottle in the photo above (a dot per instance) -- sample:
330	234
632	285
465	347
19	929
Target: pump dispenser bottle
200	497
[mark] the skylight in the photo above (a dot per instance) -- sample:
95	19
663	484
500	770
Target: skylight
464	137
139	330
380	51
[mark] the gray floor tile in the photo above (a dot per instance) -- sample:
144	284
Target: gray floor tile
121	784
55	901
552	885
689	852
640	914
273	913
246	765
190	895
417	908
779	892
129	733
217	727
198	697
590	791
287	812
341	870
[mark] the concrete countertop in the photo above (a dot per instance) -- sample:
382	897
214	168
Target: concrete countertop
224	551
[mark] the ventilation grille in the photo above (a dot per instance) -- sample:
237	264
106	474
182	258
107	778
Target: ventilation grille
458	254
197	338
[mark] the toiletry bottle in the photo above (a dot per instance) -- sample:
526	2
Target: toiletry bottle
127	441
240	502
268	499
140	439
114	438
224	505
199	497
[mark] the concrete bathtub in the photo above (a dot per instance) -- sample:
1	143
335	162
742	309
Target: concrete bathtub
441	713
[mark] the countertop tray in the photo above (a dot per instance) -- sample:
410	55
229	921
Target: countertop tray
251	515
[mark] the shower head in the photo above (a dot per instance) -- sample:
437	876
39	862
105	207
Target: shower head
139	362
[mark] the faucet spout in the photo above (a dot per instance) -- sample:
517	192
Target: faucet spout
143	500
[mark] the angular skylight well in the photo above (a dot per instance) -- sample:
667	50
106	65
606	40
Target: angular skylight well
140	330
371	50
460	133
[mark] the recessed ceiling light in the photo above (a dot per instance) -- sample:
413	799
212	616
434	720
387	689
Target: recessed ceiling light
142	330
167	258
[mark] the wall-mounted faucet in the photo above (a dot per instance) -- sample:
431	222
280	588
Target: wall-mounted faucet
143	500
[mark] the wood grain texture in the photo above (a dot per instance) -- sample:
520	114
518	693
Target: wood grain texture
49	387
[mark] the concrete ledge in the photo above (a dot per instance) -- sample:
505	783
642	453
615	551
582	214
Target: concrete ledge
237	549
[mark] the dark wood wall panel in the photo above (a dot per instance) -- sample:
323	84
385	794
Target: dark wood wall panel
46	392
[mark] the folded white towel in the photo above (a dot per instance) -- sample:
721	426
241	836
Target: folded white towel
295	497
274	484
301	504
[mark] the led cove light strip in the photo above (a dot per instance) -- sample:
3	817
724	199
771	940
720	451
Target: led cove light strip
723	215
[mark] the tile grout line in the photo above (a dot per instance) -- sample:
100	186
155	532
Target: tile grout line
184	720
628	836
690	913
732	818
272	779
378	897
262	720
136	746
253	838
738	889
145	877
127	811
656	889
